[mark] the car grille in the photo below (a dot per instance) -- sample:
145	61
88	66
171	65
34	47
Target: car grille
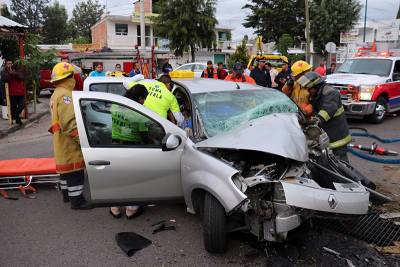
341	87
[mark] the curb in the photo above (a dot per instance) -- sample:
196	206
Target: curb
16	127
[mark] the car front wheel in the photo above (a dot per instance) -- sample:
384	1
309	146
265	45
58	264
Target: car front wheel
380	110
214	225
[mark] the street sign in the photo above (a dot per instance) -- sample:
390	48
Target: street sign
330	47
387	34
349	37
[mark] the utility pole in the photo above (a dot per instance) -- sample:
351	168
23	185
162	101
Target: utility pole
142	27
365	18
308	41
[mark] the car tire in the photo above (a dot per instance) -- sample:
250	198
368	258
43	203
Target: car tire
380	111
214	225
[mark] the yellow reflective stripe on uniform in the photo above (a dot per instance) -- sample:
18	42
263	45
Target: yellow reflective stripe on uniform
339	112
324	115
341	142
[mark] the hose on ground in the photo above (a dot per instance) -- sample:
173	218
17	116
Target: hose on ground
369	157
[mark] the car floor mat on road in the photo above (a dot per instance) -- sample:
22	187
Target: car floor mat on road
131	242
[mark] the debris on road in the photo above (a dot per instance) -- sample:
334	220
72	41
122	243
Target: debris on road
331	251
391	215
130	242
390	249
164	227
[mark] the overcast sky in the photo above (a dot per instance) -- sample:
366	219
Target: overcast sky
230	12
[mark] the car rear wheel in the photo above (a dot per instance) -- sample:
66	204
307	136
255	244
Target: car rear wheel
380	110
214	225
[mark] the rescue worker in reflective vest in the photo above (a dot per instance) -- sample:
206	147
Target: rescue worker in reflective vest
210	71
238	75
294	90
67	151
329	110
160	98
129	128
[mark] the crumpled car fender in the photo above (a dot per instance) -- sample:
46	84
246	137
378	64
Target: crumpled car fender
203	171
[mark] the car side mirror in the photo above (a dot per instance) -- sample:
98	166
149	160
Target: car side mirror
171	142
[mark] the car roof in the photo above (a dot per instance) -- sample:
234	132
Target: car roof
372	57
202	85
106	79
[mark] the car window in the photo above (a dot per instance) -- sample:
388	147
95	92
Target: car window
113	88
199	67
110	124
221	112
185	67
380	67
396	71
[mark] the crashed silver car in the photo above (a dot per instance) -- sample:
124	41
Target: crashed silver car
249	162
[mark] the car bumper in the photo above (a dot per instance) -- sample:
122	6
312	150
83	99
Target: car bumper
361	108
307	194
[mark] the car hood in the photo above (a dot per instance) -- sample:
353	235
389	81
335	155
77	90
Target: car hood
278	134
354	79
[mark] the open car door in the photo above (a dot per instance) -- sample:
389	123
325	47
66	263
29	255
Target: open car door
132	155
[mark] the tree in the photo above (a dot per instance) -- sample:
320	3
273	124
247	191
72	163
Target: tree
273	18
186	24
84	15
5	12
240	55
29	13
398	13
329	18
55	24
284	42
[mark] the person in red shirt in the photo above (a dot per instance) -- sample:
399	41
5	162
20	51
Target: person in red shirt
321	70
15	76
221	72
238	75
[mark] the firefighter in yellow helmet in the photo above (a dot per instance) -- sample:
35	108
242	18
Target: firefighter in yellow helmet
294	90
67	151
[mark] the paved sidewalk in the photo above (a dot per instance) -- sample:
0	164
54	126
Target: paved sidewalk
42	109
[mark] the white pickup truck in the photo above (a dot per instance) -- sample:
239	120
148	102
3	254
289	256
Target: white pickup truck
369	86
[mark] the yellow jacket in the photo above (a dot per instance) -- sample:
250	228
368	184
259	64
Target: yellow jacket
67	151
300	96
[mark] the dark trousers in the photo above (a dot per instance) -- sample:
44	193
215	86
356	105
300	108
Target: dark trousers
75	182
17	106
341	153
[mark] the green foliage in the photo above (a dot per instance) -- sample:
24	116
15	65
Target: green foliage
55	24
273	18
78	40
329	18
29	13
296	57
84	15
240	55
284	42
186	24
5	12
9	47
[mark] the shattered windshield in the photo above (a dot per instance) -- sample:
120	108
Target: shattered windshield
223	111
380	67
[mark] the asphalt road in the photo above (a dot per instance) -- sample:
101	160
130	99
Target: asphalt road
46	232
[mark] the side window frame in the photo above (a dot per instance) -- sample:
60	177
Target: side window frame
106	84
119	145
396	71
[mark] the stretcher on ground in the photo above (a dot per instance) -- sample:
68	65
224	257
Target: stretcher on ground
22	173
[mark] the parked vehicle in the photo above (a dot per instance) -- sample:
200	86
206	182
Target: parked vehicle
275	60
369	86
253	163
196	67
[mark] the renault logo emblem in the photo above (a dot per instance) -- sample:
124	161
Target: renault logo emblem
332	201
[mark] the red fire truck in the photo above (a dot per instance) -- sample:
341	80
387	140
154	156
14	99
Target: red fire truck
369	85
